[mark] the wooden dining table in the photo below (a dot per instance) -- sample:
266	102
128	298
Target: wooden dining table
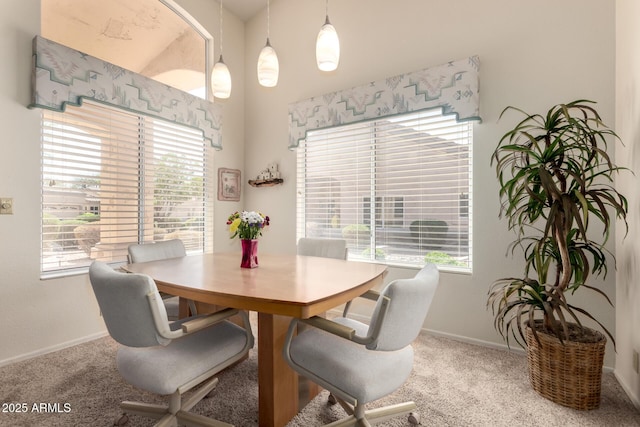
281	287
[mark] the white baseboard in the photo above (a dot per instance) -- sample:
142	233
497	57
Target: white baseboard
366	319
46	350
634	399
489	344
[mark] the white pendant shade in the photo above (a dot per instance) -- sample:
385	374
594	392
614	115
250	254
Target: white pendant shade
327	47
268	66
220	75
221	80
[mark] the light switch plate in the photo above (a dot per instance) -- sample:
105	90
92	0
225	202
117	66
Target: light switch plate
6	206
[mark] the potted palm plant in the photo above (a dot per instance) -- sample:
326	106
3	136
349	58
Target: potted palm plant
556	182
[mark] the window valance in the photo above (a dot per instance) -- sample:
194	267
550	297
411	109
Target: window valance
452	86
62	76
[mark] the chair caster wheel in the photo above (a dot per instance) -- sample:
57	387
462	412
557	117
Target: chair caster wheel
414	418
123	420
332	399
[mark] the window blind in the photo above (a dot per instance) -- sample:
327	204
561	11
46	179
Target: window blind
111	178
397	189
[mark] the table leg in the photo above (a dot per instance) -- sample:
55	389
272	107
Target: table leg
277	383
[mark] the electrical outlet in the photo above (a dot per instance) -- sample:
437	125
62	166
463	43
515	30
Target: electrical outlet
636	362
6	206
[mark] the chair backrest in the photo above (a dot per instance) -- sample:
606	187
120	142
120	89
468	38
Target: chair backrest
123	301
409	301
326	248
162	249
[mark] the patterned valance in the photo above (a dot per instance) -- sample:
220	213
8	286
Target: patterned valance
62	76
452	86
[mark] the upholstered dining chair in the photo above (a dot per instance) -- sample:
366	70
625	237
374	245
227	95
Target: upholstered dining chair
162	357
360	363
327	248
162	249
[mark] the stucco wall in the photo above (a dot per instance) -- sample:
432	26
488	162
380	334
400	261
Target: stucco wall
627	247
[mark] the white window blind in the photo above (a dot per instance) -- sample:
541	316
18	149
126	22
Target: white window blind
397	189
111	178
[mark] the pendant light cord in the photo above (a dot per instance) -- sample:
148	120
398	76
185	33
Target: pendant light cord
220	27
268	19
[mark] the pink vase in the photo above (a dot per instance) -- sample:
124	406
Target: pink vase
249	253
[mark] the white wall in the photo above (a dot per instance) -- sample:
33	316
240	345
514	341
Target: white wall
533	55
233	117
628	249
38	316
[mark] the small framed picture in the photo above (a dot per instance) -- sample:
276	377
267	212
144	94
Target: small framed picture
229	184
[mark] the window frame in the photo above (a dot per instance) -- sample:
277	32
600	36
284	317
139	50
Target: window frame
151	135
209	56
460	205
208	53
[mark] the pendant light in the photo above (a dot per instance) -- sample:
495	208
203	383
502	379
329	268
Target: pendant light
220	75
327	46
268	67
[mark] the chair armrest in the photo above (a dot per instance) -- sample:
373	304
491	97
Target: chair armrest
371	294
329	326
336	329
188	326
207	320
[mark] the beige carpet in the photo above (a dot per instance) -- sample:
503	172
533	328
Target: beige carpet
453	383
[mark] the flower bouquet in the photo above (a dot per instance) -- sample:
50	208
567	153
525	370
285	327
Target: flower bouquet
248	227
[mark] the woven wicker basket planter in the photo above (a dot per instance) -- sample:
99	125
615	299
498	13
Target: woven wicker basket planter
568	374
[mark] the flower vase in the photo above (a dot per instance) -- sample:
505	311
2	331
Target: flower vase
249	253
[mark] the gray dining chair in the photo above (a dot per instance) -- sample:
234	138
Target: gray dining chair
162	249
326	248
162	357
360	363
